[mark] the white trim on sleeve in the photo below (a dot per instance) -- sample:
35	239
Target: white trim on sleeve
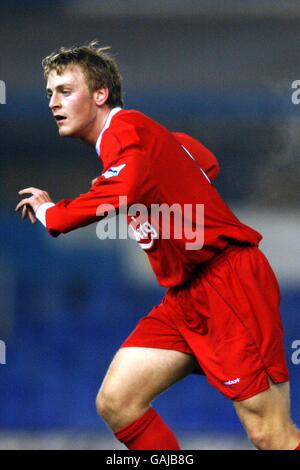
41	212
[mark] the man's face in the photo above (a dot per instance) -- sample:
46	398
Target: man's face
71	102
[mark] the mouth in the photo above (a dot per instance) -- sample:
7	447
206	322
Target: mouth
59	118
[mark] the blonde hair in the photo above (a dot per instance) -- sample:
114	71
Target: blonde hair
99	68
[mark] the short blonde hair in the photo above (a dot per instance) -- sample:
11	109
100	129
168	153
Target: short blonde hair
99	68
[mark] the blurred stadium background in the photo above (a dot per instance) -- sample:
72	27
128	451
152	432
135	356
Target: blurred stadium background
221	71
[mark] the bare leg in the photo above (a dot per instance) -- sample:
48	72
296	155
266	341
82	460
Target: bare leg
135	377
266	418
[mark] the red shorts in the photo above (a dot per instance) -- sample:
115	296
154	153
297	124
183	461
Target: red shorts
228	318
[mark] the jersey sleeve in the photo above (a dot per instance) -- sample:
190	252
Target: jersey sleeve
204	157
123	175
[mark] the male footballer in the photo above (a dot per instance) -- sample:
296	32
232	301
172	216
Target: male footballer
220	316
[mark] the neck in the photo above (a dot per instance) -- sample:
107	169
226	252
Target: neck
92	133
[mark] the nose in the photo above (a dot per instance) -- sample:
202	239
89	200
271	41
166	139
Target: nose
54	101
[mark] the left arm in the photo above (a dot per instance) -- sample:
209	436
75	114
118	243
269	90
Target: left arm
204	157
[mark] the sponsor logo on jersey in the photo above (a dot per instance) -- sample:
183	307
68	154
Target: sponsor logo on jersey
232	382
113	171
144	233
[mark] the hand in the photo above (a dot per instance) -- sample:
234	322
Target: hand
31	204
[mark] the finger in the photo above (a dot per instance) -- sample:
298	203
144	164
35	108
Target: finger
31	215
27	211
24	212
21	204
30	190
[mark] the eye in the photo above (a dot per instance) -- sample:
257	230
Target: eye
66	92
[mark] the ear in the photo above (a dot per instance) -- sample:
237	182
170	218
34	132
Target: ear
101	96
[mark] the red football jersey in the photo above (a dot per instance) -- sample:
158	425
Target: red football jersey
205	158
151	166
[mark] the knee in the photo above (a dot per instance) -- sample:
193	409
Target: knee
267	436
117	408
260	436
108	404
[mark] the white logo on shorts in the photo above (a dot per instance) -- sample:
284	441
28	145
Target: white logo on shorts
232	382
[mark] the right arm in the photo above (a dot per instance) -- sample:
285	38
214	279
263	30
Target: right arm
123	176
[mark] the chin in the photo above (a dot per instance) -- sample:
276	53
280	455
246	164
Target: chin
66	133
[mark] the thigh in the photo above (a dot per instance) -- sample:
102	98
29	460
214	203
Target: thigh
140	374
271	406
